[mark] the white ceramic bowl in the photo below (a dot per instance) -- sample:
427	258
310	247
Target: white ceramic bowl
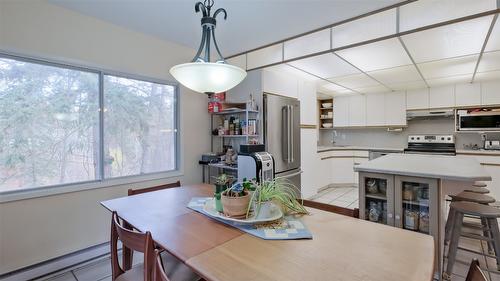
326	105
327	125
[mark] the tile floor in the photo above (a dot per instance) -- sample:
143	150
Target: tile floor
346	197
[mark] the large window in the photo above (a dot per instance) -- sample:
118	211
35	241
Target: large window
54	132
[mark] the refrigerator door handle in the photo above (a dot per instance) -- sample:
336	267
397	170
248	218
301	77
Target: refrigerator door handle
284	134
291	134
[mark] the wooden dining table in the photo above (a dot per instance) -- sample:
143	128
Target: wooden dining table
342	248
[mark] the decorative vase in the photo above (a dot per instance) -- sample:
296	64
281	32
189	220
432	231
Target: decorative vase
235	206
218	203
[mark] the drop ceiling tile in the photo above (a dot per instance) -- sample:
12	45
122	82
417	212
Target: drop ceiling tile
325	66
308	44
239	61
372	90
379	55
487	76
489	61
426	12
454	40
411	85
448	67
286	69
396	75
494	40
355	81
449	80
327	87
265	56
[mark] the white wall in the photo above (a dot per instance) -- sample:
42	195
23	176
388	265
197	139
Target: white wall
37	229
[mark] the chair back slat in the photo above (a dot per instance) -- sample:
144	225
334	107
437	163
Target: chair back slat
154	188
475	273
332	208
130	239
158	271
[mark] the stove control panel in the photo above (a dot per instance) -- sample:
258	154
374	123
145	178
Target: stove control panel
431	139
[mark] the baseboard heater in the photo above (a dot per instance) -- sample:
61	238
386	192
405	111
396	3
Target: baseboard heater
54	265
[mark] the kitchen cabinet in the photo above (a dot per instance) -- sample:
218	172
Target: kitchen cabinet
395	109
417	99
490	93
375	110
468	94
341	111
442	97
357	110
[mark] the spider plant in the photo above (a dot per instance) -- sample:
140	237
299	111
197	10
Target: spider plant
279	190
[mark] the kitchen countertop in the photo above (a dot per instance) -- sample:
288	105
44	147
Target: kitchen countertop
353	147
479	152
427	166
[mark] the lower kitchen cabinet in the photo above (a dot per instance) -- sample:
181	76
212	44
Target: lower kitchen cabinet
410	203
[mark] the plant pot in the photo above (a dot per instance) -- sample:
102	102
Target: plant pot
235	206
263	210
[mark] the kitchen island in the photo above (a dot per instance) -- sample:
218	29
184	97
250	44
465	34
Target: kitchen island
409	191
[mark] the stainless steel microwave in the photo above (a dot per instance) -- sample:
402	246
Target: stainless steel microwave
479	121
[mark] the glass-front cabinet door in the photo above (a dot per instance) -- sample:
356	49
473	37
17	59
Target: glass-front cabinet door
376	195
416	206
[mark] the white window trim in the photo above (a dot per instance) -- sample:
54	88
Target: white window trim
42	191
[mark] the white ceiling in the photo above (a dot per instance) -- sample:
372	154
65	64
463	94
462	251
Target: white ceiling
250	23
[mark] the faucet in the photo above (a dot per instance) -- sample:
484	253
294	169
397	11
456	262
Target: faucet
334	134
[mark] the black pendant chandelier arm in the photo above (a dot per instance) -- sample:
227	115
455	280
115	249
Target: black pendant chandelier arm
208	23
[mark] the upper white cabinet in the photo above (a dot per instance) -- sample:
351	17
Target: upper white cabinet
341	111
442	97
417	99
490	93
357	110
468	94
375	110
395	109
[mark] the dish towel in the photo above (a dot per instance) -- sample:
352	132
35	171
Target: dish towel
287	228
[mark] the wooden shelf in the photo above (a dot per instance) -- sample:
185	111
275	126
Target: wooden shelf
329	118
326	108
378	196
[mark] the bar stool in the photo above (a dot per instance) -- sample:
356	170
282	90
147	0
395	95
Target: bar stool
488	213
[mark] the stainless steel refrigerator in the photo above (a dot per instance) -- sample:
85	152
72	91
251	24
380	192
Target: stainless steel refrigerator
281	129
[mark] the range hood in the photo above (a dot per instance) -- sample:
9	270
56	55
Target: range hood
426	114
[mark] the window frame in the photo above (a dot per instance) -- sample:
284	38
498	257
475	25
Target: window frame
100	181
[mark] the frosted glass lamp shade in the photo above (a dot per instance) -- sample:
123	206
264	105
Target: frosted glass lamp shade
208	77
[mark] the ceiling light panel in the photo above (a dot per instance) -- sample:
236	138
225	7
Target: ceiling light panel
265	56
308	44
426	12
494	40
375	56
325	66
239	61
366	28
355	81
286	69
410	85
330	87
489	61
487	76
454	40
400	74
448	67
449	80
372	90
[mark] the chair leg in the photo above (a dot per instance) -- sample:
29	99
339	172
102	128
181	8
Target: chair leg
455	237
448	227
495	233
127	254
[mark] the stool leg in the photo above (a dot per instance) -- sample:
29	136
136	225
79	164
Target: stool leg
448	227
495	232
487	234
456	231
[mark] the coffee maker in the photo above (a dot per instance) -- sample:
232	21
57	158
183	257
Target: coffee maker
256	165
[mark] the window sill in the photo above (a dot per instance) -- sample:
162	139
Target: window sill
16	195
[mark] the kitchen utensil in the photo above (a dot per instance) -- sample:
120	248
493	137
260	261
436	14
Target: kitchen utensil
327	125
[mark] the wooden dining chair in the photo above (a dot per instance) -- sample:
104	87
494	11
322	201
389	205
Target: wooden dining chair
137	241
158	271
475	273
331	208
154	188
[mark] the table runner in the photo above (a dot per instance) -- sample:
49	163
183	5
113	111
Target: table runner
287	228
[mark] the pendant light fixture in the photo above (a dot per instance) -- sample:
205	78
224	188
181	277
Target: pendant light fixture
201	75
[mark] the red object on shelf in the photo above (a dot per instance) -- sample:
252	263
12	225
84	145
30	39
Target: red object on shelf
219	97
214	106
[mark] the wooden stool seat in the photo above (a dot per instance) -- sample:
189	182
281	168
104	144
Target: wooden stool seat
479	184
473	197
477	189
474	209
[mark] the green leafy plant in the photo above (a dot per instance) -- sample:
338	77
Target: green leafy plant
279	190
222	182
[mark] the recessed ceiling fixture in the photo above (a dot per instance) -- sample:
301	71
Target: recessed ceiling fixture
201	75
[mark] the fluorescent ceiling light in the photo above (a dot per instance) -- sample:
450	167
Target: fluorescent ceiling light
372	90
489	62
287	69
308	44
407	85
325	66
379	55
446	81
355	81
330	87
448	67
396	75
459	39
494	40
487	76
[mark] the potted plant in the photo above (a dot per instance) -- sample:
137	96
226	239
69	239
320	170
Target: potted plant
235	201
280	191
222	182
